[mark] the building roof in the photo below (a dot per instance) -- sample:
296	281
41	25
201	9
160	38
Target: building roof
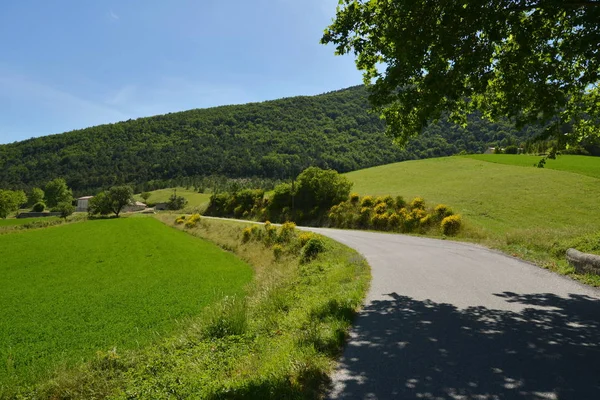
85	198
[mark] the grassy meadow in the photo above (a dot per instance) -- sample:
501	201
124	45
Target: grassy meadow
530	212
196	201
72	290
584	165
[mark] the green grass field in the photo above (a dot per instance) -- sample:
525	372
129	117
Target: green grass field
195	200
70	291
589	166
495	197
23	221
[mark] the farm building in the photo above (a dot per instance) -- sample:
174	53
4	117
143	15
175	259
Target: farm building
82	203
134	206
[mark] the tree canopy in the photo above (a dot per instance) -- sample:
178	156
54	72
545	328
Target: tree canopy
57	191
275	140
530	60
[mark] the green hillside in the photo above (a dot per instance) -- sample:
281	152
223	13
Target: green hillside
585	165
274	139
498	201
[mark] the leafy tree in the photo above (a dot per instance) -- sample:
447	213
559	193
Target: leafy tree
57	191
10	201
119	197
531	60
100	204
318	190
35	196
176	202
65	209
145	196
39	207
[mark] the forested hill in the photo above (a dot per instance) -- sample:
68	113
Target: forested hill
271	139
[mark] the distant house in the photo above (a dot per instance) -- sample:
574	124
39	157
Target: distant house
135	206
490	150
82	203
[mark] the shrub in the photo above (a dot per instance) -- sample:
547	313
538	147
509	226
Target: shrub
39	207
442	211
180	220
192	221
380	208
286	232
65	208
354	198
451	225
246	235
400	202
305	237
417	203
394	221
367	201
389	201
277	251
227	318
312	248
380	221
512	149
270	233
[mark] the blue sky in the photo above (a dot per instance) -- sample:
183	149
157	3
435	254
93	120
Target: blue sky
67	65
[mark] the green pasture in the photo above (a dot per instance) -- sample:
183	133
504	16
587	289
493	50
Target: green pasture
584	165
195	199
70	291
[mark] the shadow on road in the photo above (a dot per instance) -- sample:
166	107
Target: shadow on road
409	349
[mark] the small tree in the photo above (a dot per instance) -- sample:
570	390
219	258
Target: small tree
39	207
36	196
99	204
176	202
119	197
57	191
145	196
10	201
65	209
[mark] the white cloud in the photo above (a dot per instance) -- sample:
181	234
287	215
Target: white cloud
112	15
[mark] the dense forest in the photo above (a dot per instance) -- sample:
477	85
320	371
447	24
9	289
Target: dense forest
273	139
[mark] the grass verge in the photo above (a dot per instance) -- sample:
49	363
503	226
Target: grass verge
280	341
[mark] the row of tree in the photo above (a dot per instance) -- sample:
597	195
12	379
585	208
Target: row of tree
56	195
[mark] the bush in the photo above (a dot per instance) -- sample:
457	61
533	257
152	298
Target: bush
380	208
451	225
246	235
394	221
380	221
39	207
400	203
65	208
270	233
511	150
305	237
176	202
286	232
367	201
180	220
312	248
354	198
417	203
277	251
442	211
192	221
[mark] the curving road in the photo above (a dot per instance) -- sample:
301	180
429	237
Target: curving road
447	320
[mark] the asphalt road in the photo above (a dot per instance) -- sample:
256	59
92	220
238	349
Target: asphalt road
446	320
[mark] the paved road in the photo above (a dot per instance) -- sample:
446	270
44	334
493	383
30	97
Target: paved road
446	320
